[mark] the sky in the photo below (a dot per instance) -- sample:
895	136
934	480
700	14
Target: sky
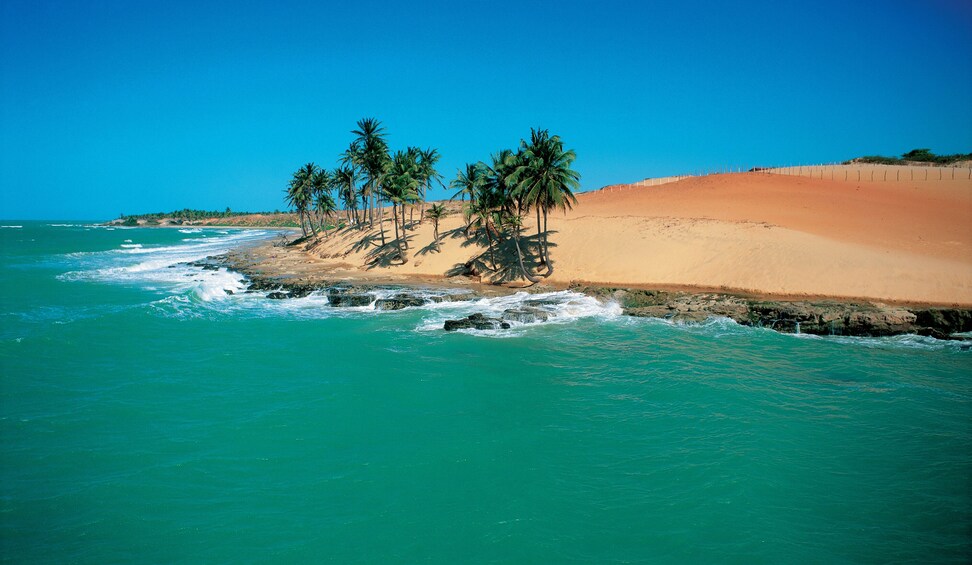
139	106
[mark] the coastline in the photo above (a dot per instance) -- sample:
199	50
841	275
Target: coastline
799	254
291	272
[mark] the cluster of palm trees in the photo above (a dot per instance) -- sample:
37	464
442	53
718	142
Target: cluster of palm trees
536	178
368	172
310	193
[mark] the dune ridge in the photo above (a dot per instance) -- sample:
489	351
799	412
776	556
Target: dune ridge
759	233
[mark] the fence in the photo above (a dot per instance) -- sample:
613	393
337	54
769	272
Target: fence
832	171
867	172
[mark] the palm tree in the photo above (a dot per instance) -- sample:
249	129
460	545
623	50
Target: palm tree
343	178
544	180
320	190
400	186
413	155
466	182
501	181
325	207
300	192
427	160
374	161
482	214
435	213
350	160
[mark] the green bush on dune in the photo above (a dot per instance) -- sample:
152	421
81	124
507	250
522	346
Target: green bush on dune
923	155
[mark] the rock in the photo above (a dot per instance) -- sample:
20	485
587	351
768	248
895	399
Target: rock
299	290
227	291
278	295
452	297
205	264
340	299
660	311
525	315
475	322
263	284
398	302
944	322
534	302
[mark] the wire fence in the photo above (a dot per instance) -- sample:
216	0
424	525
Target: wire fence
857	172
869	173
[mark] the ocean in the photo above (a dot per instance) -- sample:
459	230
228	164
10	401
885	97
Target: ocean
149	416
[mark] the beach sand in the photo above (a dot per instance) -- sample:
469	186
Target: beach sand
757	233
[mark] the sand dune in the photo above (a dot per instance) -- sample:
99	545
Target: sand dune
768	234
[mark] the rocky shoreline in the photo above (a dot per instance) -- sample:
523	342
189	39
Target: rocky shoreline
819	317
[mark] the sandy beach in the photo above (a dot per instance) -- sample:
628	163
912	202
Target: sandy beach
765	234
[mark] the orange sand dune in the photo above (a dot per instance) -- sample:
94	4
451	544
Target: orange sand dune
770	234
927	217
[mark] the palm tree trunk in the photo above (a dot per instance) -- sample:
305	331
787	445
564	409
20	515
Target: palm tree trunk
371	206
543	257
489	241
546	245
381	221
404	240
422	214
519	257
401	253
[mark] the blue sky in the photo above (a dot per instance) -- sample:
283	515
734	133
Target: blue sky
111	107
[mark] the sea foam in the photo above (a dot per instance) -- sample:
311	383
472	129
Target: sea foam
168	267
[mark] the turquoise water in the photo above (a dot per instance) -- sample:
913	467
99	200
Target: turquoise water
150	417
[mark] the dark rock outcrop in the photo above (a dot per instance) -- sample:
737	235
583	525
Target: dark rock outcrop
398	302
346	299
476	322
452	297
941	323
525	315
825	317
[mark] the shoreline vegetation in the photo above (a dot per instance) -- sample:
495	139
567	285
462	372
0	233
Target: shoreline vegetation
917	158
795	254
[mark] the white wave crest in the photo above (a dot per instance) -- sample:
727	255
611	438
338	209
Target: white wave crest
561	307
168	267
